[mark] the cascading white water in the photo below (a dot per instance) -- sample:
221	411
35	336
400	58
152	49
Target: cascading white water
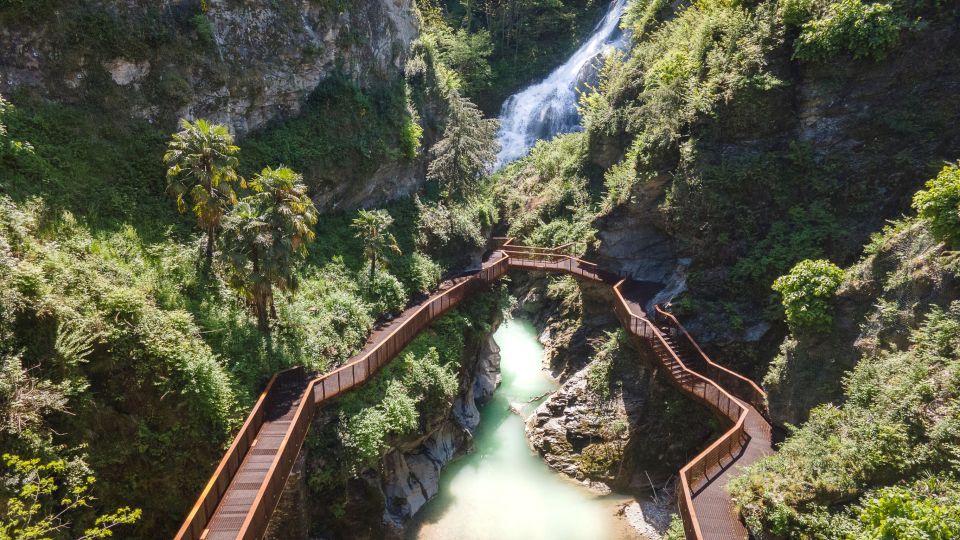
549	107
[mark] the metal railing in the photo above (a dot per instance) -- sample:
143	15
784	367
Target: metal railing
550	260
738	385
708	388
721	452
213	492
317	391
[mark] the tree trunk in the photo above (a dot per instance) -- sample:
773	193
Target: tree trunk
211	238
373	270
263	315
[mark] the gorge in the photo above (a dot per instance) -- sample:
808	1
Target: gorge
195	196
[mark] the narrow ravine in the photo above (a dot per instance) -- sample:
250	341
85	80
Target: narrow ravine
502	489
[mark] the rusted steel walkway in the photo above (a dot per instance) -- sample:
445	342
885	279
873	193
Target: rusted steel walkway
703	500
244	490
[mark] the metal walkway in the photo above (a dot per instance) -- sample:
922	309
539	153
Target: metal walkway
244	490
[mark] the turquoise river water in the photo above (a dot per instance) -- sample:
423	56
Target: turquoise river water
503	490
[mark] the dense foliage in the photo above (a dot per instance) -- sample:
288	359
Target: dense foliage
939	204
113	335
900	422
865	30
807	291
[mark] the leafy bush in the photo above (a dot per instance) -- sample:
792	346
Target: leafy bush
807	293
204	28
675	531
363	436
432	383
863	30
421	273
399	409
939	204
452	230
793	13
928	510
386	294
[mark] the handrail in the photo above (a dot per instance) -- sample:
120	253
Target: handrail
752	393
706	459
703	388
318	390
268	494
202	510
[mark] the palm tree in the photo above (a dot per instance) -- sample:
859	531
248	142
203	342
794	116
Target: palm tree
201	160
265	236
370	226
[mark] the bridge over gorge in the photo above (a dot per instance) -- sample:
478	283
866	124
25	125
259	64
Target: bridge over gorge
244	490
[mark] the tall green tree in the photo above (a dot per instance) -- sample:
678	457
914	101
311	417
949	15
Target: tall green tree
202	160
266	235
372	228
466	149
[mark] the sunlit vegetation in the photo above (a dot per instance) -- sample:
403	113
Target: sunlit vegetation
939	205
900	425
133	344
807	292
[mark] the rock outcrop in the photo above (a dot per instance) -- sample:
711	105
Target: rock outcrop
411	476
882	300
238	63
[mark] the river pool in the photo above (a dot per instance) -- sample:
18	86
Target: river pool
503	490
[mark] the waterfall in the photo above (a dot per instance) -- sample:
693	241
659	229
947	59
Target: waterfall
549	107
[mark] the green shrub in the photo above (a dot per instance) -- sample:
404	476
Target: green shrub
675	531
925	511
399	409
794	13
363	436
386	294
939	204
863	30
421	273
204	28
433	383
807	293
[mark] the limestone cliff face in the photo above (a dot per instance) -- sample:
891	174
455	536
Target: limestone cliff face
242	63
